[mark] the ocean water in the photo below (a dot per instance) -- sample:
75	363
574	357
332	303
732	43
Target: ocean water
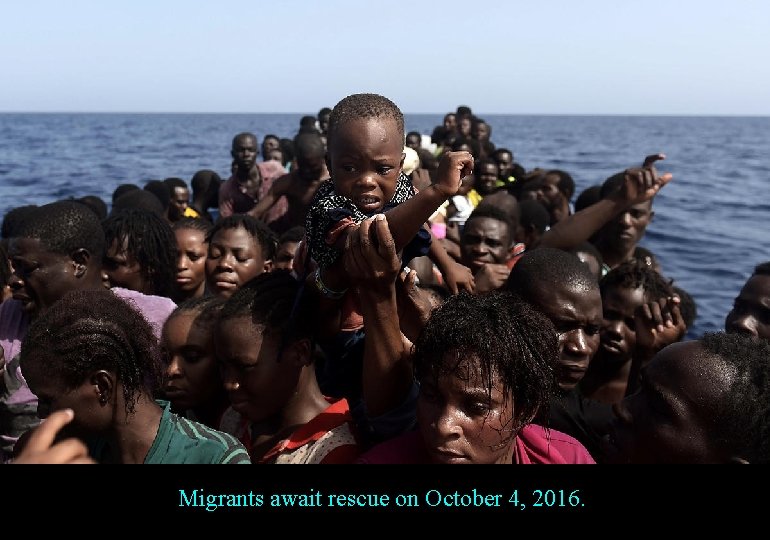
710	227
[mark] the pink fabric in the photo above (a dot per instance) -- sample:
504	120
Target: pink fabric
234	200
534	445
155	309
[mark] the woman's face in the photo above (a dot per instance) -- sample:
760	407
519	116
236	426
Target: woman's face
191	262
191	372
462	421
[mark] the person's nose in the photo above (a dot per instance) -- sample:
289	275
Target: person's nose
745	324
174	368
625	219
577	343
15	282
446	423
182	263
225	263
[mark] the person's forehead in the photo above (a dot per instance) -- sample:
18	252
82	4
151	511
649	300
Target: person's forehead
568	299
625	298
246	141
486	225
20	246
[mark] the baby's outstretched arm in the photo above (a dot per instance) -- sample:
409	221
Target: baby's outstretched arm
406	219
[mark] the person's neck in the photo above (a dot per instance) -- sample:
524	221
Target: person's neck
242	175
211	414
132	438
612	256
306	403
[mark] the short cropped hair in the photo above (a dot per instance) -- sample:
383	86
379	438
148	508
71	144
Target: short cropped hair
359	106
64	227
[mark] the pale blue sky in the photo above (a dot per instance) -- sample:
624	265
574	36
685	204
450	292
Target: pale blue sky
532	57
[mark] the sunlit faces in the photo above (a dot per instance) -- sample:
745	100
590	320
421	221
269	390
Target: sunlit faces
234	257
627	229
123	270
671	418
486	177
244	152
751	311
191	263
180	198
504	162
258	385
576	312
485	240
461	420
366	156
40	277
192	377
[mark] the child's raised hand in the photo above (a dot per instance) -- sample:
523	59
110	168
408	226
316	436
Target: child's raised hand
454	166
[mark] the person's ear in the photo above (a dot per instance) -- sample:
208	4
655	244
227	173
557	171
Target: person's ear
103	383
736	460
268	266
80	258
328	163
299	353
652	214
403	158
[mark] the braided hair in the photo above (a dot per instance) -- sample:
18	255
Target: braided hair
358	106
91	330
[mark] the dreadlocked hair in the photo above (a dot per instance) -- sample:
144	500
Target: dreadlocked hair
91	330
743	412
150	241
277	301
637	275
358	106
195	224
264	237
64	227
502	338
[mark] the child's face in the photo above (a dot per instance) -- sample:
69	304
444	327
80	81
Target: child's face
365	159
234	258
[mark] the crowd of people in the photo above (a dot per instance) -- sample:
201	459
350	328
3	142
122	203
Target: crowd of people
358	294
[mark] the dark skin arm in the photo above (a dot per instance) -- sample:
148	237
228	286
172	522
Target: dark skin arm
373	266
406	219
456	276
279	188
639	185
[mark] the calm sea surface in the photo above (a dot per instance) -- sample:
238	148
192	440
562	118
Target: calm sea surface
710	227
